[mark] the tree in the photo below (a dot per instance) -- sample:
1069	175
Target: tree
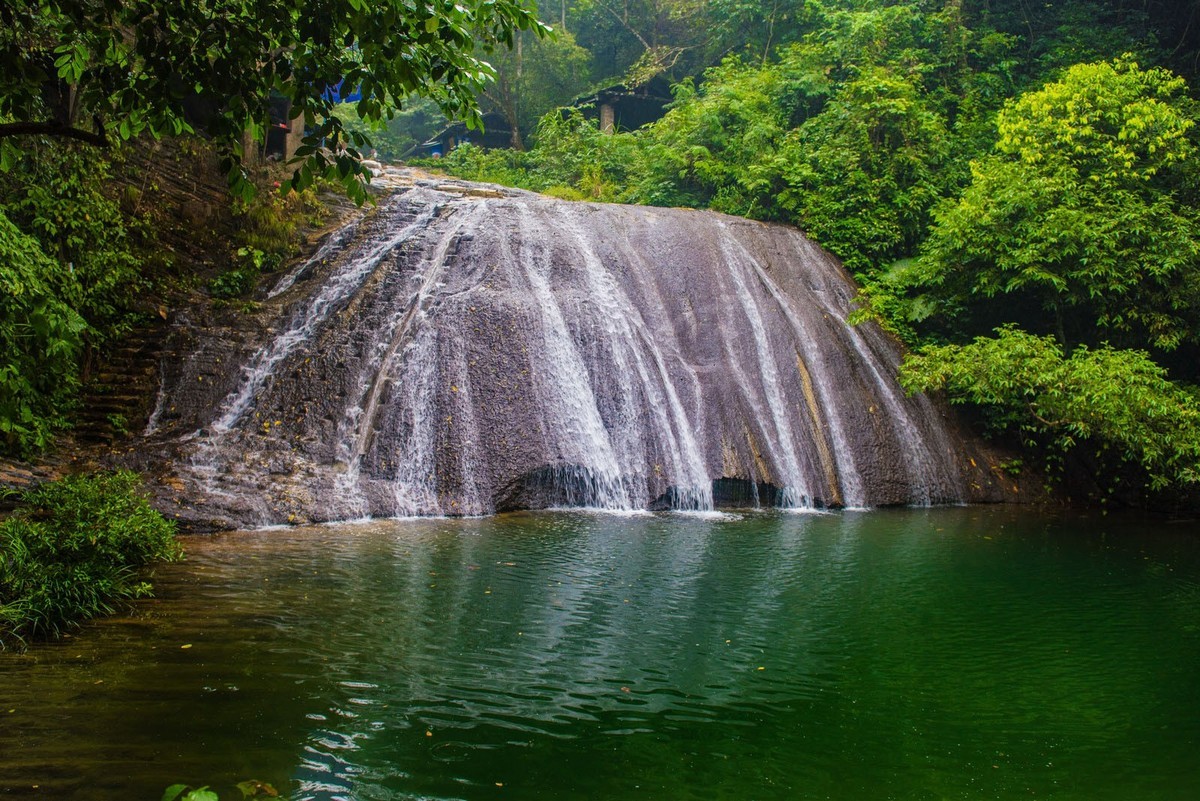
107	70
716	145
1083	215
863	174
539	73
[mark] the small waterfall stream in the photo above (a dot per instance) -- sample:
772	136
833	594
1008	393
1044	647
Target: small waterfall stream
453	354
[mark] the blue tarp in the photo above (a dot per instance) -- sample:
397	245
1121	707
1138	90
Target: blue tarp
334	93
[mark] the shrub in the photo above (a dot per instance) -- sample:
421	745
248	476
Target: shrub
40	339
75	547
1115	400
72	276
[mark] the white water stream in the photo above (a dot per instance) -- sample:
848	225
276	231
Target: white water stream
503	353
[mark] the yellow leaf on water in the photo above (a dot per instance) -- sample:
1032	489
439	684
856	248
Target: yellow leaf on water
189	645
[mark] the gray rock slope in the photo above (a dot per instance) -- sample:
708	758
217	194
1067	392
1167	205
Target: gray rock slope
447	353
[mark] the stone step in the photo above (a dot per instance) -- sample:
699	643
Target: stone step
126	394
115	374
121	388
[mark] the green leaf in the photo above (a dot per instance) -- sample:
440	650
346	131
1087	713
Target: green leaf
202	794
173	792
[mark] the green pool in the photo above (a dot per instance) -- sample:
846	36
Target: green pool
938	654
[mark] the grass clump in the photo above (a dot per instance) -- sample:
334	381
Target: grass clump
74	548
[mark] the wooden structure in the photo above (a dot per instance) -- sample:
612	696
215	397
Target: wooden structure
623	108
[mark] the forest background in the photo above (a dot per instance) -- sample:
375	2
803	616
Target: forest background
1013	184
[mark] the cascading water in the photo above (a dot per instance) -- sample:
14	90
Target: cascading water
455	354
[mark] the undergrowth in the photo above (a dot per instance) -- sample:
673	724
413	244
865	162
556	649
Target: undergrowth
73	549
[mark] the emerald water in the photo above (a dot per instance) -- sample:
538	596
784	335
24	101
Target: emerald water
953	653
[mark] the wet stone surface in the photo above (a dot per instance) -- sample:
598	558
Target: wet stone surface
463	349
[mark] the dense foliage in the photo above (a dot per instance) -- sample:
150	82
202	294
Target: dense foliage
74	548
1108	397
40	336
72	267
1084	213
111	70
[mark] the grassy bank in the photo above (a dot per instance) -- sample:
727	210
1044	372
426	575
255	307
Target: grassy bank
73	549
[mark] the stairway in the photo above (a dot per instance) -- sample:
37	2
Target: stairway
118	396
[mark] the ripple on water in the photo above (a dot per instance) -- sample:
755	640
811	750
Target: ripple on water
768	655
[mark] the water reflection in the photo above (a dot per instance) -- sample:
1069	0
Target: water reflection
927	654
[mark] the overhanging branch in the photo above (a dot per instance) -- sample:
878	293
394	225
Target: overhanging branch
52	128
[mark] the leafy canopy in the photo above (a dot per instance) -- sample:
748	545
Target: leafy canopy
1083	210
107	70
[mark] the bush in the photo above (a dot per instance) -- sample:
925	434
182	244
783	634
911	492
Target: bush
572	159
473	163
40	339
72	274
74	548
1113	400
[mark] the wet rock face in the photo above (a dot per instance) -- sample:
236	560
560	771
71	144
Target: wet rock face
452	353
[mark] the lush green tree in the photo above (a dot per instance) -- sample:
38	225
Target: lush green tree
1054	36
537	74
1083	216
107	70
1113	400
758	27
716	146
862	175
635	40
61	196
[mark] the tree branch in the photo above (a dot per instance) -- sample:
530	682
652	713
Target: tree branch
625	24
53	128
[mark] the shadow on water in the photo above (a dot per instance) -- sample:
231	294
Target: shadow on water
948	653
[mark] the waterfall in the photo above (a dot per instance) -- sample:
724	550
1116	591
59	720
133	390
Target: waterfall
453	354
